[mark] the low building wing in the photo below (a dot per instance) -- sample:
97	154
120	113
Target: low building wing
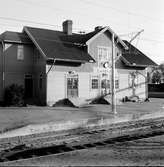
134	57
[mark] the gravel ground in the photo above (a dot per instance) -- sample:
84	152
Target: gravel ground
143	152
13	117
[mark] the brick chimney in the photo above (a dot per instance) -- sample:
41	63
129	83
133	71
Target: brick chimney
67	27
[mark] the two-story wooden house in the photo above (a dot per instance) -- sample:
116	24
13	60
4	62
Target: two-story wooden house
53	65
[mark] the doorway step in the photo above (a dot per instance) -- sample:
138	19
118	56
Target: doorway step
79	102
72	102
105	99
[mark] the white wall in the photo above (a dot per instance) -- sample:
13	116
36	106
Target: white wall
55	87
84	85
124	89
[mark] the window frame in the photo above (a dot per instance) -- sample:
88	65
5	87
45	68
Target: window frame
117	85
95	85
20	52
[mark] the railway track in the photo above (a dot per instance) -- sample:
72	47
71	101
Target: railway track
43	145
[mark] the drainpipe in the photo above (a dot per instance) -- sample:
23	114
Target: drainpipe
50	67
3	66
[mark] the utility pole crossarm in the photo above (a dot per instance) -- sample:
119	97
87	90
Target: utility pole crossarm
136	35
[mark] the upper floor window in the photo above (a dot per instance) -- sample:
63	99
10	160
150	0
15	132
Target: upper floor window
103	56
20	52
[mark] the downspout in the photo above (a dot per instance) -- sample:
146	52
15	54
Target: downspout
50	67
47	79
3	66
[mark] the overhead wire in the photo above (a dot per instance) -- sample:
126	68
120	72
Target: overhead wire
118	10
122	11
78	44
74	12
40	23
46	24
74	43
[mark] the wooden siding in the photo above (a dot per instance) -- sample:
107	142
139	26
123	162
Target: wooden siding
39	69
84	85
124	87
55	87
102	40
56	79
15	70
17	66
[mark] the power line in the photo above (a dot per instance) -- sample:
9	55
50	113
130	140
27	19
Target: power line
151	40
122	11
78	44
52	25
33	22
74	12
95	18
27	21
20	20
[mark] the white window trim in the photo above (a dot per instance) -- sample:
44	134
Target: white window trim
20	52
94	77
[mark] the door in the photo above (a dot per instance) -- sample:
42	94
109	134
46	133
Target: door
105	84
72	86
28	86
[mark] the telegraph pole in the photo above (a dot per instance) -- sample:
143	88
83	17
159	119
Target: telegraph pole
113	77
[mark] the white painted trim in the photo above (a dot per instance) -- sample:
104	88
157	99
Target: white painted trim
110	30
66	79
93	76
31	37
95	36
19	42
69	60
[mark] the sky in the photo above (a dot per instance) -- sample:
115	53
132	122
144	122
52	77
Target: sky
124	17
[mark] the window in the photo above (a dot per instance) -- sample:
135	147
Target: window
103	56
105	84
94	83
117	84
20	52
72	83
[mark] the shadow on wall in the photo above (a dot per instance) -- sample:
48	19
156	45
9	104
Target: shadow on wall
103	100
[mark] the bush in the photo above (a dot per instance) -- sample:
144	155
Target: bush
14	95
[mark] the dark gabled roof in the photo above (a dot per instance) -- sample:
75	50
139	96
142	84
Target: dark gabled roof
16	37
134	57
58	45
82	38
